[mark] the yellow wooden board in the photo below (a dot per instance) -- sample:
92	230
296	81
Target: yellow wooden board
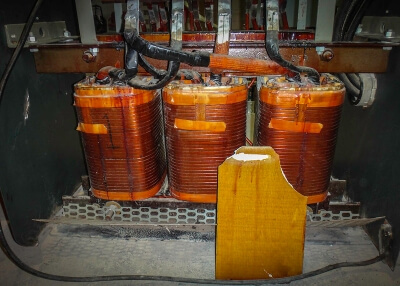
260	218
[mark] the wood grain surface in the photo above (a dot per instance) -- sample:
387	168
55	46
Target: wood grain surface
260	219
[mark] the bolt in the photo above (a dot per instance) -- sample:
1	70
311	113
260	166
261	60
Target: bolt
320	50
31	37
85	182
109	214
389	33
94	51
359	29
88	57
67	33
327	55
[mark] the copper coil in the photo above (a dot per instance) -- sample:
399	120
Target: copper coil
129	161
306	158
194	155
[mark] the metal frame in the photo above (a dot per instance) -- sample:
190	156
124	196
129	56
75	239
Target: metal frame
325	20
86	22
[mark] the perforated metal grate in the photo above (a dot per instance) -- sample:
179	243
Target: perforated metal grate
164	215
324	215
173	215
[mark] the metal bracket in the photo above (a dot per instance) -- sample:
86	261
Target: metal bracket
156	18
194	15
41	33
325	21
224	22
209	15
131	24
118	16
87	29
177	24
223	34
386	29
302	15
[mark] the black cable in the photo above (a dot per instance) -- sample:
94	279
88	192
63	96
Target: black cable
190	75
347	21
216	78
20	264
156	73
148	49
355	92
356	19
272	43
272	47
341	22
131	61
20	45
173	68
348	36
355	80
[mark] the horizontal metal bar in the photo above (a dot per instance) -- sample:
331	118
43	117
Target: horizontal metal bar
347	58
288	38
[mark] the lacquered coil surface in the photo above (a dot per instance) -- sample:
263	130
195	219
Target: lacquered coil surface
128	161
300	121
194	153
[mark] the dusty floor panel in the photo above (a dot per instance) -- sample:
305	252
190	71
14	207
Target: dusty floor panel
180	252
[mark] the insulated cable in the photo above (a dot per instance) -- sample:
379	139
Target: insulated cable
347	20
20	264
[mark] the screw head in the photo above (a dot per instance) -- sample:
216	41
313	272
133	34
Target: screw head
327	55
389	33
31	37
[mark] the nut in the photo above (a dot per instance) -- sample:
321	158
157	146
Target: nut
67	33
31	37
389	33
88	57
327	55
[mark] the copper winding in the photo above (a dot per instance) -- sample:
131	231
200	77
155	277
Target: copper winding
306	157
250	65
127	163
194	155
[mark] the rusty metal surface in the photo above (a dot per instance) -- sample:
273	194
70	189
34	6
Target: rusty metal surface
348	56
61	60
347	59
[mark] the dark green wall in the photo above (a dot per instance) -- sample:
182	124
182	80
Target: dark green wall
368	150
40	157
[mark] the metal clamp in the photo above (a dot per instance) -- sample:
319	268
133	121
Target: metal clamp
175	43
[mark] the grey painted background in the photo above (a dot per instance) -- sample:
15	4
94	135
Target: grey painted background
40	154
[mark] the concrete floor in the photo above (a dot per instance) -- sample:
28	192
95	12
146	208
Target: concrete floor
82	250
